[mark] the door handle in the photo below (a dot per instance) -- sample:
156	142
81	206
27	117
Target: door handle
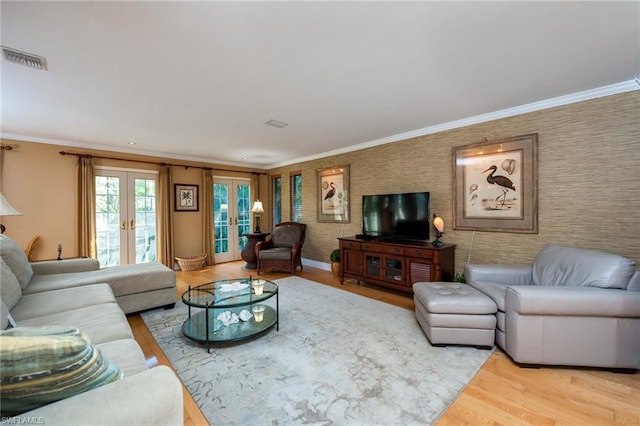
132	224
230	221
236	221
123	224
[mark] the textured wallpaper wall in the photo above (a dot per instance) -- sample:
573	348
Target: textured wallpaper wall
588	182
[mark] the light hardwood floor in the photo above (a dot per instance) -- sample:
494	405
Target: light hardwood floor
500	394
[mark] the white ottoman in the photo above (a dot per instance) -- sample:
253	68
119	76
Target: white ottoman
455	314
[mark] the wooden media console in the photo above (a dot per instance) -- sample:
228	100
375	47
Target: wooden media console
396	264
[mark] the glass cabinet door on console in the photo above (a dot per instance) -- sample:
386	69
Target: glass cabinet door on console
384	267
394	269
373	265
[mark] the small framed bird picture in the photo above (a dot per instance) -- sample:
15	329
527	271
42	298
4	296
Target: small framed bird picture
333	194
496	185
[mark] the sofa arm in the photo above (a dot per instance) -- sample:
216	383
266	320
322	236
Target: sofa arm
153	397
64	266
573	301
501	274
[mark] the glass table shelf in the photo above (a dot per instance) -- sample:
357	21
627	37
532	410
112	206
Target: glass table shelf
235	296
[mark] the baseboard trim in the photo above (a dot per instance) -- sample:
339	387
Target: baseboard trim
316	264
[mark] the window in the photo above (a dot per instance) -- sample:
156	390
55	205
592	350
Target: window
276	190
296	196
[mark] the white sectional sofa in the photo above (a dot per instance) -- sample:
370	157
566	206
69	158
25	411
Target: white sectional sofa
138	395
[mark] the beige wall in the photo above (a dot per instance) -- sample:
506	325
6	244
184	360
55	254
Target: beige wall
41	184
588	171
588	184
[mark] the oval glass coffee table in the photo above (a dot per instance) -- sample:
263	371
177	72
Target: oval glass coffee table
239	303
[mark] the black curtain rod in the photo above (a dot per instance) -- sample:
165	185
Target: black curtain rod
157	163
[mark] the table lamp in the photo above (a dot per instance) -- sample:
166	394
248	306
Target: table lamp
257	209
6	209
438	223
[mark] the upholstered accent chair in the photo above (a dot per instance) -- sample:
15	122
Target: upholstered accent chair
283	251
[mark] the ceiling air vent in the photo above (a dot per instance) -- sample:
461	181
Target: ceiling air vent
276	123
24	58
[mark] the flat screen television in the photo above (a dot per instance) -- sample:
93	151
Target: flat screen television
396	216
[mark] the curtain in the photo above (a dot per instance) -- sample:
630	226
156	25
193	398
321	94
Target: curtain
208	235
86	207
165	217
255	195
255	185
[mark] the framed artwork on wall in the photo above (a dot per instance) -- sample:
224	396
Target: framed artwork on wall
496	185
333	194
186	198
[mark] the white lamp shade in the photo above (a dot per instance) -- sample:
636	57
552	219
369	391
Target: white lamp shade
257	207
438	223
6	209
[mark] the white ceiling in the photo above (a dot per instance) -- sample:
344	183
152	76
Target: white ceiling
198	80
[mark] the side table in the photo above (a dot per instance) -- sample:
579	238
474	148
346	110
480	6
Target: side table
248	253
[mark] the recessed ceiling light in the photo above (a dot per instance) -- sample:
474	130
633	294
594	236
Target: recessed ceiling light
132	143
276	123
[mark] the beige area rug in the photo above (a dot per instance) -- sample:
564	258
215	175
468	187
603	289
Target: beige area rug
338	359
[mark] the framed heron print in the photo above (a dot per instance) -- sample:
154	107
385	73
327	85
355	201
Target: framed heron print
496	185
333	194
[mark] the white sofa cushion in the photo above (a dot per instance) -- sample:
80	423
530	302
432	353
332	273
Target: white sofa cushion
10	288
11	253
102	323
123	279
4	311
575	267
57	301
126	354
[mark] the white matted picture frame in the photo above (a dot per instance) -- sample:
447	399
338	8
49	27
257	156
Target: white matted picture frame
496	185
333	194
186	197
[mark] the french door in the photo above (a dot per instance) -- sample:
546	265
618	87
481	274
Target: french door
231	217
125	217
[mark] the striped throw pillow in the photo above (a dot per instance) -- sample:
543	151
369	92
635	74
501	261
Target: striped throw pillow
40	365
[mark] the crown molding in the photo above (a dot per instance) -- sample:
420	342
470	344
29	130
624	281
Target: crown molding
124	150
613	89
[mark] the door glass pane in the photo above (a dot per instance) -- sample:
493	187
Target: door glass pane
221	217
108	220
244	214
145	224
